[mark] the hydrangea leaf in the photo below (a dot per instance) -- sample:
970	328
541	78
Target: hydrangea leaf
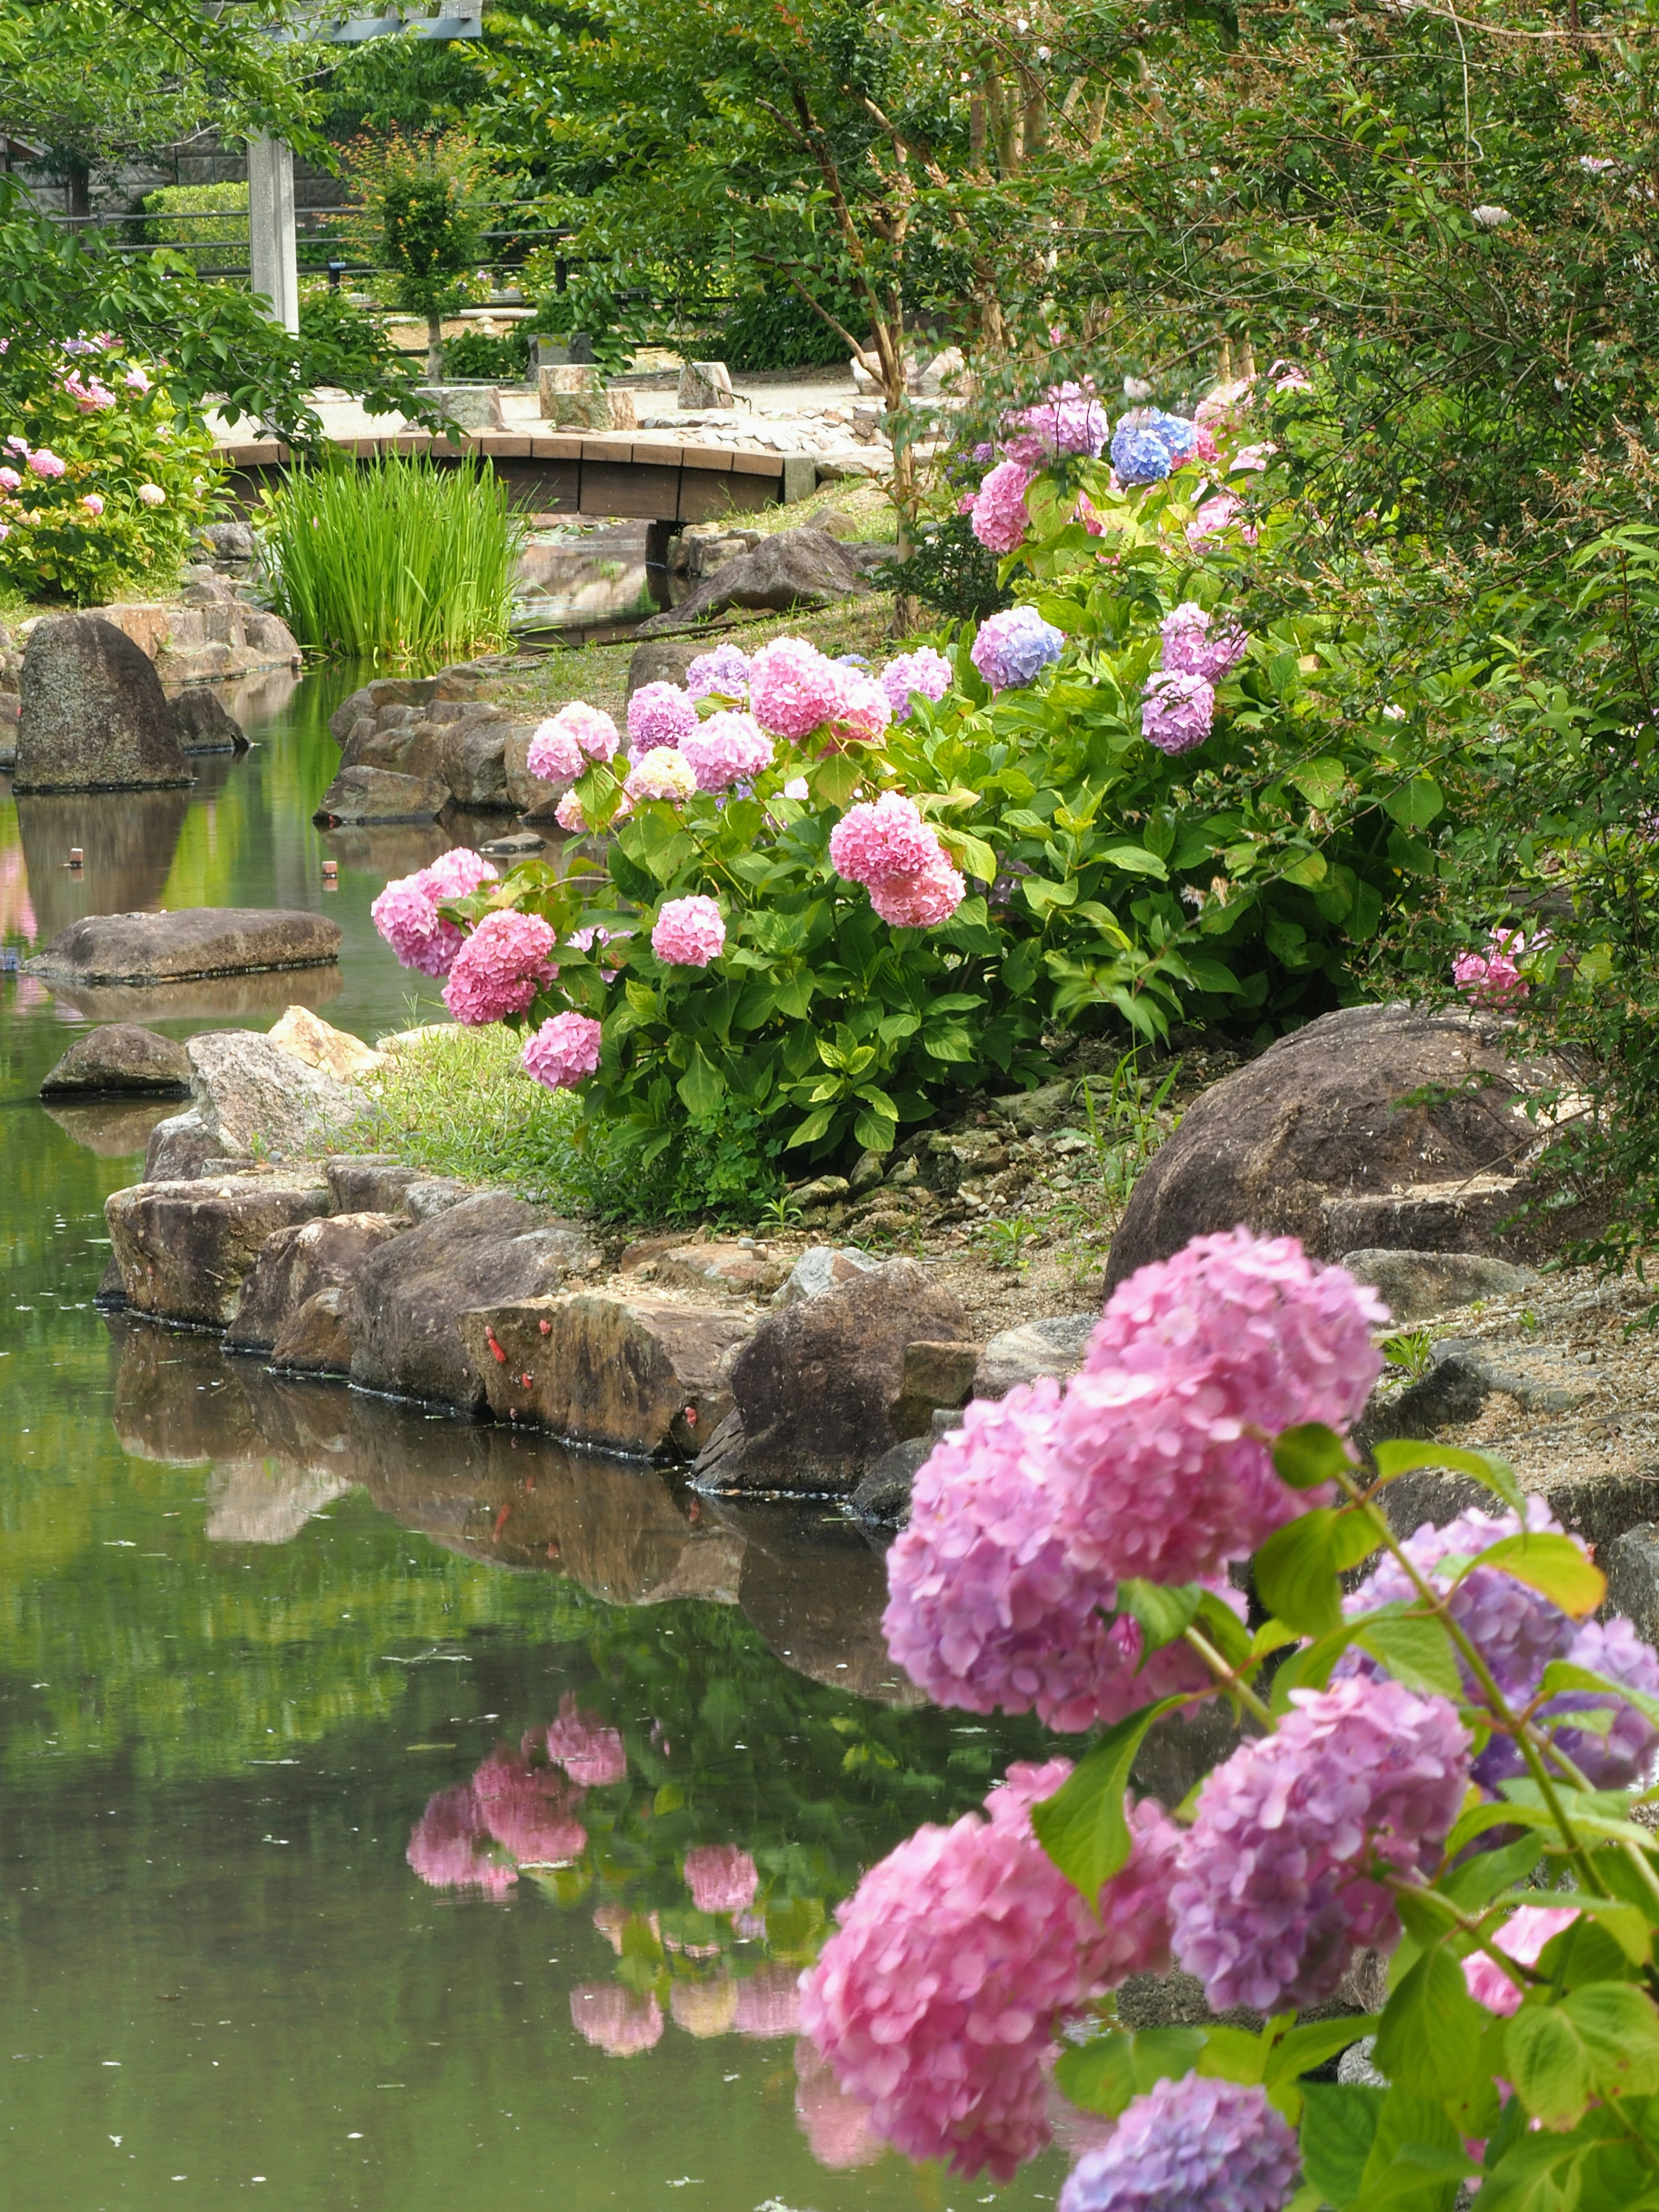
1554	1566
1084	1827
1402	1456
1428	2042
1414	1647
1339	2126
1416	804
1308	1455
1296	1568
1165	1610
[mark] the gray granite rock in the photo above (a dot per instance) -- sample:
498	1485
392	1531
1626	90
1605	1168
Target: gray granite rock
184	944
1035	1347
120	1056
94	716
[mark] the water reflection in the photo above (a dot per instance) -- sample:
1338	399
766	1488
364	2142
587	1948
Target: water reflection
128	838
113	1128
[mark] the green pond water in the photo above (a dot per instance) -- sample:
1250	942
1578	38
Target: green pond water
265	1928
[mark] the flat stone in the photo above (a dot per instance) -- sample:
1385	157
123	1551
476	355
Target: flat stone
189	942
1458	1214
120	1056
428	1196
823	1267
705	384
637	1375
295	1264
361	794
468	406
202	725
253	1096
792	568
306	1037
1035	1347
721	1266
521	845
1413	1284
369	1182
813	1386
94	714
408	1297
1031	1112
316	1338
184	1248
935	1376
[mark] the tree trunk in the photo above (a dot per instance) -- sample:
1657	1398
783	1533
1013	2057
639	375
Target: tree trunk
435	348
78	185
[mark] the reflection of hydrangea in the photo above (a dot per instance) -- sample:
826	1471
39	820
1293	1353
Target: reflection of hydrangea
621	2022
1275	1886
563	1052
727	748
723	672
689	932
1013	647
530	1811
1070	421
768	2003
660	774
793	687
999	512
923	671
451	1848
1191	2145
1189	650
1177	712
660	714
500	968
721	1878
590	1753
836	2126
936	1999
1232	1332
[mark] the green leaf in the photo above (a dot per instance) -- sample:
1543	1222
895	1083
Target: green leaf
1304	2048
1555	1565
1401	1456
1414	805
1165	1610
1308	1456
1619	2030
1415	1649
1339	2126
1544	2057
1132	861
1311	868
1296	1568
835	778
701	1087
1083	1827
1322	782
1100	2076
1473	1885
1428	2041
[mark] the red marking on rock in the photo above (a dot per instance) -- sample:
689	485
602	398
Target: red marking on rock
501	1522
547	1329
552	1551
489	1339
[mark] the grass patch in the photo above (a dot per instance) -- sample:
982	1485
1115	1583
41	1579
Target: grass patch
395	560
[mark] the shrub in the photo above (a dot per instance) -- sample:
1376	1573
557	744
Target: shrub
103	479
398	560
775	328
501	361
949	569
214	245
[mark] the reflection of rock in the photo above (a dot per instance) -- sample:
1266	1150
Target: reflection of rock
114	1128
127	838
203	723
816	1592
260	1501
119	1056
213	999
95	716
184	944
183	1248
178	1400
396	849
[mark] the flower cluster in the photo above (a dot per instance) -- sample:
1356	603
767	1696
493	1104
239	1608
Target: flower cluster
1177	712
1494	978
1190	650
859	708
590	1752
793	687
923	673
564	1052
721	1878
723	673
689	932
662	772
1147	444
1012	648
887	846
936	1999
660	714
1277	1882
406	912
619	2021
1070	422
1192	2145
561	746
1000	518
727	749
510	1814
500	968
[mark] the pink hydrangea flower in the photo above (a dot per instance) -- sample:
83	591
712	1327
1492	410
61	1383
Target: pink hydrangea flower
885	837
918	902
723	673
16	445
44	463
151	495
793	687
1189	650
590	1752
500	968
1190	2145
10	479
452	1848
1070	421
935	2001
1177	712
923	673
554	755
93	503
721	1878
620	2022
136	381
727	748
1276	1884
5	533
1233	1333
1521	1937
1215	515
456	874
568	813
1001	516
530	1811
689	932
660	714
563	1052
860	709
660	774
592	728
1494	978
406	912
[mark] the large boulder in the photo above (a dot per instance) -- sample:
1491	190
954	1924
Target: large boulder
1372	1107
95	716
815	1388
250	1096
794	569
460	743
336	1052
120	1057
1018	1355
204	725
295	1264
191	941
639	1375
183	1248
380	794
407	1298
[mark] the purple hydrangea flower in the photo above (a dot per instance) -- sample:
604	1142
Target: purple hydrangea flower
1276	1887
1624	1755
660	714
1194	2145
1014	648
725	671
1189	650
924	671
1177	712
1069	421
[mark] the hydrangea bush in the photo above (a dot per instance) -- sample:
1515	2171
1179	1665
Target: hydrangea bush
103	480
1119	803
1445	1766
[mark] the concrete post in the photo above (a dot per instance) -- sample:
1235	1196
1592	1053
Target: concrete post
270	227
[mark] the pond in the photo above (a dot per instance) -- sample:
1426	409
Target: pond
466	1806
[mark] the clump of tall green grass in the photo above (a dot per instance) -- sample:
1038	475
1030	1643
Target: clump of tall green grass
395	560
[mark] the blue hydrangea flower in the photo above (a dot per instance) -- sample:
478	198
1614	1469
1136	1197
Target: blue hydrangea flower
1139	454
1177	435
1014	648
